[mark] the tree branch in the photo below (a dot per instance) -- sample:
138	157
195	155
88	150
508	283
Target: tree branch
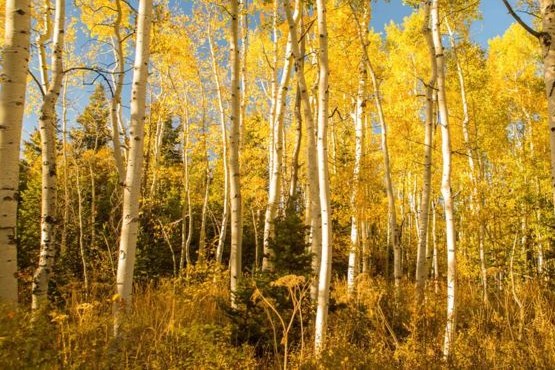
530	30
37	81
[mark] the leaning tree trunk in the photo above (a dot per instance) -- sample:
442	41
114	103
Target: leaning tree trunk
235	262
47	125
445	182
132	185
421	255
15	57
323	175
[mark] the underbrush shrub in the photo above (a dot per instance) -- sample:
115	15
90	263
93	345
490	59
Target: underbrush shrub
271	304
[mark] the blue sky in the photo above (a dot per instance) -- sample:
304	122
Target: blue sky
495	19
494	22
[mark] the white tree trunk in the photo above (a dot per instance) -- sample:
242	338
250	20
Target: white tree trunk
323	175
244	25
313	209
15	58
186	211
132	186
277	152
476	202
235	262
47	125
445	183
225	214
359	145
421	256
115	102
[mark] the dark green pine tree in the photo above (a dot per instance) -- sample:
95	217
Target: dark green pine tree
93	133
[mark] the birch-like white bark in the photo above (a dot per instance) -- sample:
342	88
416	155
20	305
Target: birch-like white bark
15	59
115	102
476	202
235	261
132	185
47	126
276	173
225	160
186	210
322	306
358	113
421	256
314	216
450	233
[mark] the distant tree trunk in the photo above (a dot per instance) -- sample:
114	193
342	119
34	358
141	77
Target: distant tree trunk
435	262
421	257
81	227
244	46
234	168
314	216
186	210
293	184
473	172
15	59
277	156
65	164
132	186
47	125
225	215
358	114
445	183
202	252
393	229
115	102
323	175
158	141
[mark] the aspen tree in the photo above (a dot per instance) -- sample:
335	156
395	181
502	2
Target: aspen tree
234	168
421	257
118	80
314	213
297	112
132	186
47	126
225	159
445	182
15	59
244	25
358	115
393	233
276	173
186	211
473	170
323	176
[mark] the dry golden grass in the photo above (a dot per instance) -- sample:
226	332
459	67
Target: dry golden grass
182	324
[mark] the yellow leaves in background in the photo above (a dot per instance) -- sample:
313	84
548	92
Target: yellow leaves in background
100	16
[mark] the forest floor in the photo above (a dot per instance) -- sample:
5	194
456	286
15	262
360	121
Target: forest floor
186	323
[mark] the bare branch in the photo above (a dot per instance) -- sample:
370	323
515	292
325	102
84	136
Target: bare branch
530	30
